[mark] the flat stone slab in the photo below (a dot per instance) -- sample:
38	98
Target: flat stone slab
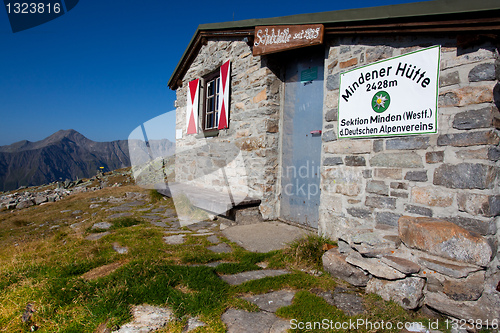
118	215
369	238
240	278
374	252
241	321
102	225
220	248
456	270
401	264
264	237
213	239
177	232
147	318
122	208
203	231
271	302
97	236
134	203
350	303
159	224
151	217
170	213
213	264
174	239
143	209
203	234
201	225
375	267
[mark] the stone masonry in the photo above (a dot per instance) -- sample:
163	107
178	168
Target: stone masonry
416	217
253	126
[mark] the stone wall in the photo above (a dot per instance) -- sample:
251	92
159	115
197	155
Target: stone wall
417	216
253	127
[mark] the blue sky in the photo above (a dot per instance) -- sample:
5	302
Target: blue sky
102	68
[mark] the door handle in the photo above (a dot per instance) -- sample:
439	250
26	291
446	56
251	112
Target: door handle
316	132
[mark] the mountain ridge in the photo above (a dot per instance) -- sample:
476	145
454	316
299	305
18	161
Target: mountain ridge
66	154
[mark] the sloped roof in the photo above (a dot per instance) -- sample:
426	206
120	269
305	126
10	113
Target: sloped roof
419	17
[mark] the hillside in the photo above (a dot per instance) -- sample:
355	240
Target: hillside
64	155
108	255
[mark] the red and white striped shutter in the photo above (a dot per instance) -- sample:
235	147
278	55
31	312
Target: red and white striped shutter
225	77
193	97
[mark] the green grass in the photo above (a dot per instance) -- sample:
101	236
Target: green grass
155	196
307	251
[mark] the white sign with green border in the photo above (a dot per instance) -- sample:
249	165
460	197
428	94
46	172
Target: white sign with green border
396	96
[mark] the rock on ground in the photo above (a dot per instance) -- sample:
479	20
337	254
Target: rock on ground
240	278
271	302
407	293
240	321
147	318
335	264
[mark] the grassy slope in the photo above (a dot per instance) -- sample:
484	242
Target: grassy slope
46	267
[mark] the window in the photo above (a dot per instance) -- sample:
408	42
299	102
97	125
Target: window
215	114
211	107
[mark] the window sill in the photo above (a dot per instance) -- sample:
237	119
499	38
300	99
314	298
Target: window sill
208	134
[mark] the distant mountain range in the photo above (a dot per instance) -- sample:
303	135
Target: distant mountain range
65	154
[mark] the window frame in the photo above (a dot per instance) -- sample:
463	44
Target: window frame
206	80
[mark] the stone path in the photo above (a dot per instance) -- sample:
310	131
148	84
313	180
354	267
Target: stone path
344	299
240	278
220	248
241	321
263	237
271	302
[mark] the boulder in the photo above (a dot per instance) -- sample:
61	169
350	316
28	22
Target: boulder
468	289
444	239
25	204
40	199
484	309
335	264
407	293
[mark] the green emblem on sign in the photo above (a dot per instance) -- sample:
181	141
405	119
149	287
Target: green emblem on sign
381	101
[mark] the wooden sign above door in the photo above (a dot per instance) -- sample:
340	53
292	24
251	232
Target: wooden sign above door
277	38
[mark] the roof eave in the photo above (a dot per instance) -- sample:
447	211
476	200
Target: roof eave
420	11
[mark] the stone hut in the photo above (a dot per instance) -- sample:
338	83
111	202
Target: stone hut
377	127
